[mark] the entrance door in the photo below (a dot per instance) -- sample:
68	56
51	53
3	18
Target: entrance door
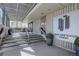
30	26
43	25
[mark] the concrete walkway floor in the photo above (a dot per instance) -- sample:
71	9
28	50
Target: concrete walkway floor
34	49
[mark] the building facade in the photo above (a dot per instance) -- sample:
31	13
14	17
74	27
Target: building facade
62	22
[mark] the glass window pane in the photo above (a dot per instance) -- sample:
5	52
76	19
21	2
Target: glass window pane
67	21
13	24
61	24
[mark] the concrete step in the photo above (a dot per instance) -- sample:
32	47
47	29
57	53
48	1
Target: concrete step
13	41
19	38
34	36
13	44
32	39
35	41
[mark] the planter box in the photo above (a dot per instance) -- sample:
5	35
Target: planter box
77	51
49	42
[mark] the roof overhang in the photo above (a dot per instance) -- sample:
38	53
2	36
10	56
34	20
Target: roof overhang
42	9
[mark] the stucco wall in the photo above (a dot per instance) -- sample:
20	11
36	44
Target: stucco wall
36	26
66	40
49	28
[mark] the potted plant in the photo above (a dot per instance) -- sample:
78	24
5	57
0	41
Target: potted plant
76	43
49	40
9	31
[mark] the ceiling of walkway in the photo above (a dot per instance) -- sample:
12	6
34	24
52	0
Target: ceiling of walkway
44	9
17	11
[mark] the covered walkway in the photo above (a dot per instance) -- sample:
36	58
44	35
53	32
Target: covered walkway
41	19
18	46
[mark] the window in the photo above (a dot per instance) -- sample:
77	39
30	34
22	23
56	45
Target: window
64	23
43	24
61	24
19	24
1	15
24	25
30	25
12	24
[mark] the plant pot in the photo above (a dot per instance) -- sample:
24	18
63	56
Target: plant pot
49	42
77	51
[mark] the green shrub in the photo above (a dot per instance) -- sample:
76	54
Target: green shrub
76	43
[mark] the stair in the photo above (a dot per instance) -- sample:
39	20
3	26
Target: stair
12	41
35	38
13	44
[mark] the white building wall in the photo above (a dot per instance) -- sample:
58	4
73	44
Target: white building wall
49	23
72	32
36	26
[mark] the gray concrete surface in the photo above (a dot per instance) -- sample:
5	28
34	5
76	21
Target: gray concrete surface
34	49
